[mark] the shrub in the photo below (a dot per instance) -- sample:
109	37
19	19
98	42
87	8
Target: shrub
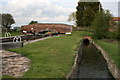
101	23
112	35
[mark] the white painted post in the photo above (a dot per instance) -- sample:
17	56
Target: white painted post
7	34
16	39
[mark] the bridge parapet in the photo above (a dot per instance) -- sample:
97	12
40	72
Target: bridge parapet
88	37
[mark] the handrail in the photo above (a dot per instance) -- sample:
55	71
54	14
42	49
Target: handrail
7	34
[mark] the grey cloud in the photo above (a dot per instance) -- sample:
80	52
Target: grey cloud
40	11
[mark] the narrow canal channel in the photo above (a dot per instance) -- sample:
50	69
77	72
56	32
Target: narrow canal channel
92	64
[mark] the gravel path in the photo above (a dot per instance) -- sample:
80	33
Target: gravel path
25	43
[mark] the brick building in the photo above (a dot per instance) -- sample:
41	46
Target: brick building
114	27
61	28
116	19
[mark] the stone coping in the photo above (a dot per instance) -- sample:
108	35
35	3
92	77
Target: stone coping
14	64
111	65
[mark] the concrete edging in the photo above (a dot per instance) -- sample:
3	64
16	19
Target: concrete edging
74	70
111	66
11	45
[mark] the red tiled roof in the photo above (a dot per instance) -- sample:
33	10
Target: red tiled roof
87	37
116	18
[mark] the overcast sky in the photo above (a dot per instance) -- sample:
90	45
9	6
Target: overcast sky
55	11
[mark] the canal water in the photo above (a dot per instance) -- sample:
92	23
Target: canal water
92	64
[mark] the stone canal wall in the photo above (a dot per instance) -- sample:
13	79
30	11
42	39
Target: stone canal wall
112	67
74	71
10	45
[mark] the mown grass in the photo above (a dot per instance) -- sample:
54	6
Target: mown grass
111	49
16	33
13	33
51	58
6	76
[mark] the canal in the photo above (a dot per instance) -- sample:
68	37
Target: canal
92	64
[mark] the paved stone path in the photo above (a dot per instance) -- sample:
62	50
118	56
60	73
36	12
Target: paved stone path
14	64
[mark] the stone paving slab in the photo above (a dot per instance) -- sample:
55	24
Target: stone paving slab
6	54
14	64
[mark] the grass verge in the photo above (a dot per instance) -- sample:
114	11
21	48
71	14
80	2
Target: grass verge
13	33
111	49
16	33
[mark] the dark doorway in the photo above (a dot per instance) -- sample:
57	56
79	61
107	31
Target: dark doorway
86	41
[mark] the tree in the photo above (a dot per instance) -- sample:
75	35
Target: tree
86	12
7	20
0	19
33	22
101	23
79	14
72	17
118	24
114	24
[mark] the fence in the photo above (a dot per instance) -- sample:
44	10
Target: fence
24	37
